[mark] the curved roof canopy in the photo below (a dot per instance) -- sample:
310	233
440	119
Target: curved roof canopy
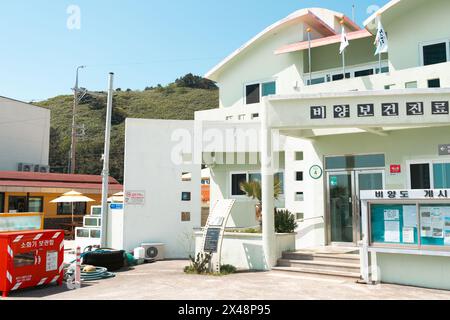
307	16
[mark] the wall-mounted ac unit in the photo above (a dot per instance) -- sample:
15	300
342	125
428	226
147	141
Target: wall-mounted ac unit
25	167
155	251
44	169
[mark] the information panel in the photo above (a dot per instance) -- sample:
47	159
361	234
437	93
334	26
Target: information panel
435	224
212	240
394	224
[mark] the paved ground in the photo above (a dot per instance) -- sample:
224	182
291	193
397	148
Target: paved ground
166	281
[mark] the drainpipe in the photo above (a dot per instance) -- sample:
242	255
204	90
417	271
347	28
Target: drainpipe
267	191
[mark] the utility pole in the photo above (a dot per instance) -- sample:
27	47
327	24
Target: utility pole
105	172
73	145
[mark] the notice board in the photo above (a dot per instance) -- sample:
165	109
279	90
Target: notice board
394	224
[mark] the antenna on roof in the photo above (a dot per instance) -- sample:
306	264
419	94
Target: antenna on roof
353	12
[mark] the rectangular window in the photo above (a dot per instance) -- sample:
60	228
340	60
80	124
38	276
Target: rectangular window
300	215
441	173
254	177
2	203
420	176
17	204
241	117
186	196
269	88
411	85
299	176
280	178
228	118
364	73
186	176
79	208
434	83
356	162
236	181
252	93
435	53
299	156
299	196
185	216
316	81
36	204
340	76
255	115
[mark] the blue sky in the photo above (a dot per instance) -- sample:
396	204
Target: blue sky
145	42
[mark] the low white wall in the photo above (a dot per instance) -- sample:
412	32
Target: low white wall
245	250
414	270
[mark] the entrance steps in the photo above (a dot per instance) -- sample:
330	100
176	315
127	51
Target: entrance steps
326	261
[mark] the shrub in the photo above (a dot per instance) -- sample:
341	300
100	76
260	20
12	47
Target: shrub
285	222
199	264
227	269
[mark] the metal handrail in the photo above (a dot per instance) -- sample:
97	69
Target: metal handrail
313	218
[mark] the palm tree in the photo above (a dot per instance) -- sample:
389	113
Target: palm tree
253	190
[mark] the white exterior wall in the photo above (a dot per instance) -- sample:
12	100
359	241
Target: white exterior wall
149	168
24	134
259	64
427	21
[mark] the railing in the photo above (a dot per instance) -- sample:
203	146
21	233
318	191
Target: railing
312	218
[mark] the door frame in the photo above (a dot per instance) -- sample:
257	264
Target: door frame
328	207
356	206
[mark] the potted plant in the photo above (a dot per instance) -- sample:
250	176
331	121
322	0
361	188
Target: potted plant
253	190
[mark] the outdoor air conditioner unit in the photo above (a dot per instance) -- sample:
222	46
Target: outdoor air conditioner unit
25	167
42	169
154	251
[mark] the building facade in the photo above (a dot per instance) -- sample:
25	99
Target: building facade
339	134
24	135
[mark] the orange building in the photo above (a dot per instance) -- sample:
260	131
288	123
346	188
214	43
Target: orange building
32	192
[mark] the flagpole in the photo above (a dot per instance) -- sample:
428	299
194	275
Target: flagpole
378	44
309	55
343	53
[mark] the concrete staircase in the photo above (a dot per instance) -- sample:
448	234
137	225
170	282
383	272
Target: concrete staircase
325	261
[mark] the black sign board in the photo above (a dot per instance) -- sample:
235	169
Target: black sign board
212	240
444	150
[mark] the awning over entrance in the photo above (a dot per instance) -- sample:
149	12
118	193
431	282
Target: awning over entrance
376	112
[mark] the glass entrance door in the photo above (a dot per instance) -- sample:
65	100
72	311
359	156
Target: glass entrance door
340	190
344	214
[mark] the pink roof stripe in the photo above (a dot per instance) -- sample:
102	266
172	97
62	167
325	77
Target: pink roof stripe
299	46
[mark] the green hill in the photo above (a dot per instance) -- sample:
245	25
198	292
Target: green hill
176	101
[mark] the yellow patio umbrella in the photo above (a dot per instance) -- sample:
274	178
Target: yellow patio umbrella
117	198
72	197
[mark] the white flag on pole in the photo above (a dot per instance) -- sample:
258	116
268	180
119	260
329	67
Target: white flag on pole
381	40
344	41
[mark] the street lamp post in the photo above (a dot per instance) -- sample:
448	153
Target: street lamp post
73	145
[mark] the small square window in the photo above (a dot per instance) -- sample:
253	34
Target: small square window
185	216
255	115
228	118
186	176
300	215
299	196
299	176
434	83
186	196
241	117
299	156
269	88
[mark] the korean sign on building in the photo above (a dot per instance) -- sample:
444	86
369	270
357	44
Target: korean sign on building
414	108
440	194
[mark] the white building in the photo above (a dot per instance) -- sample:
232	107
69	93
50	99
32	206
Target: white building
24	134
380	125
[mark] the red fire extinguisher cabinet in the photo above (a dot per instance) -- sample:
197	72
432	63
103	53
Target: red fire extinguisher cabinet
30	259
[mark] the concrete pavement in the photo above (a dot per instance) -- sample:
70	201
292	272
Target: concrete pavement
166	281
